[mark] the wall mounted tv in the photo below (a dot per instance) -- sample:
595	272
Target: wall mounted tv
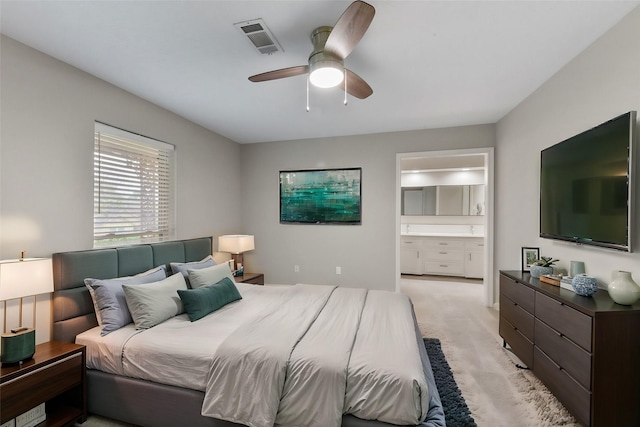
586	186
321	196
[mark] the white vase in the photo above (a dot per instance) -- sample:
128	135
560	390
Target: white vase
623	290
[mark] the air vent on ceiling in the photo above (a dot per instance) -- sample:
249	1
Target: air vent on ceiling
260	36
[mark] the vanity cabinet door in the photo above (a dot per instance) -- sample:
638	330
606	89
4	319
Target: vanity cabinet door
410	256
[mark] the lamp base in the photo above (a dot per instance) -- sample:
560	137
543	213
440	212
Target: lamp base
18	346
237	261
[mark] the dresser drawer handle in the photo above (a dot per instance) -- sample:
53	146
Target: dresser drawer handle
444	265
443	253
443	244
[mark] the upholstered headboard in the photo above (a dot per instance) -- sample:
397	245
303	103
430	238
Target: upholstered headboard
73	310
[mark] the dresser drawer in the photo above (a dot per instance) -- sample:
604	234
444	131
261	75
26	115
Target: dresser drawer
518	293
453	268
474	244
444	255
564	319
520	345
411	242
517	316
575	397
444	243
564	353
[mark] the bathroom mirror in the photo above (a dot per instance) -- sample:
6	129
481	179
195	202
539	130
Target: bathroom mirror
443	200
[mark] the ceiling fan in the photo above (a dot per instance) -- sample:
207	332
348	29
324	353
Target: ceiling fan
330	47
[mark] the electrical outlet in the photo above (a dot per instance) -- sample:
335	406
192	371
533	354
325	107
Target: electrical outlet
296	268
338	270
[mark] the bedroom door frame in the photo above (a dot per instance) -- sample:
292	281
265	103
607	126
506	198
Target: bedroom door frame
488	153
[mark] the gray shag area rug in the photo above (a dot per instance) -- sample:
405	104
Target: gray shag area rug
456	411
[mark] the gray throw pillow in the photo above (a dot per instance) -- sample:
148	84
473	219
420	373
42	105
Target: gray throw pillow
183	267
209	275
109	300
153	303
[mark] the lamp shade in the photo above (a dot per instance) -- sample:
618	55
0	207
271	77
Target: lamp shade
25	277
235	243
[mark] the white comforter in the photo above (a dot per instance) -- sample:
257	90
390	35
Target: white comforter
317	353
292	356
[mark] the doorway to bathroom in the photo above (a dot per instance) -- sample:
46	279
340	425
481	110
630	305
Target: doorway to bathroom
444	216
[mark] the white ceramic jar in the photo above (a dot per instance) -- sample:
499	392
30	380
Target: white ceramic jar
623	290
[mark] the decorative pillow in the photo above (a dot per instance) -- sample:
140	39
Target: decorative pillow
209	298
209	275
109	300
183	267
153	303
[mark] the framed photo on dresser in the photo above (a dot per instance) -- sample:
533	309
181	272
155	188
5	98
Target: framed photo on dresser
529	256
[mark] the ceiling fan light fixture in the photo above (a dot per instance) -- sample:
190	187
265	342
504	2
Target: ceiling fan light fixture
325	75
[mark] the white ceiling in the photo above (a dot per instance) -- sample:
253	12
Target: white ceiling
430	63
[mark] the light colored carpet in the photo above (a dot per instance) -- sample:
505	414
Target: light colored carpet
497	393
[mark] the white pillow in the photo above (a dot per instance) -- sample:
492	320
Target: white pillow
153	303
210	275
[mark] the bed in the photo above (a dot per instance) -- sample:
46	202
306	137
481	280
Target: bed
152	401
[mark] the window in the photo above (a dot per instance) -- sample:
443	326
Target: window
133	189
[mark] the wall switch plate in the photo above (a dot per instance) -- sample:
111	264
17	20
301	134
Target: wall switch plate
338	270
296	268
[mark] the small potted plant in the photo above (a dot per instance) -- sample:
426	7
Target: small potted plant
542	266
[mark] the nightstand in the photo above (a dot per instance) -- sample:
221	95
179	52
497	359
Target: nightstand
56	375
252	278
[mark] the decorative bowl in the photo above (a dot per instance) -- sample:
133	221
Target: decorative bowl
584	285
538	270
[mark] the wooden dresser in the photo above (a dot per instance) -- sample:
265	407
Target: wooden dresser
586	350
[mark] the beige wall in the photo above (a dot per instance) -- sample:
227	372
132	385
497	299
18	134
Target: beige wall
599	84
46	159
366	253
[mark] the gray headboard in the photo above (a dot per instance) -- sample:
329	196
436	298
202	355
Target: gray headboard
73	311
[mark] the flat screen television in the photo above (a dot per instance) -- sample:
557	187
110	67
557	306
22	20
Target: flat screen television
586	186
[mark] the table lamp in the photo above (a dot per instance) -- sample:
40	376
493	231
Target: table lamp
236	245
20	278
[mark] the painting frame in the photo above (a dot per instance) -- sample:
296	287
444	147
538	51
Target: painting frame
321	196
529	255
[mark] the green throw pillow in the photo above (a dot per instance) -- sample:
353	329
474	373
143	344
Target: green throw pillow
206	299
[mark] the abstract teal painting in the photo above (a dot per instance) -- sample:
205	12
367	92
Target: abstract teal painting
321	196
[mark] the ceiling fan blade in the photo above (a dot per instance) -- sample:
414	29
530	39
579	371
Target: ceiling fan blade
349	29
280	74
356	86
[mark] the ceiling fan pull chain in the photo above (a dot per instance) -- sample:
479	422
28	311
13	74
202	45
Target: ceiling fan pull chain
345	85
307	94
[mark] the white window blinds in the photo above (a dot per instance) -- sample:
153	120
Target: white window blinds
133	190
